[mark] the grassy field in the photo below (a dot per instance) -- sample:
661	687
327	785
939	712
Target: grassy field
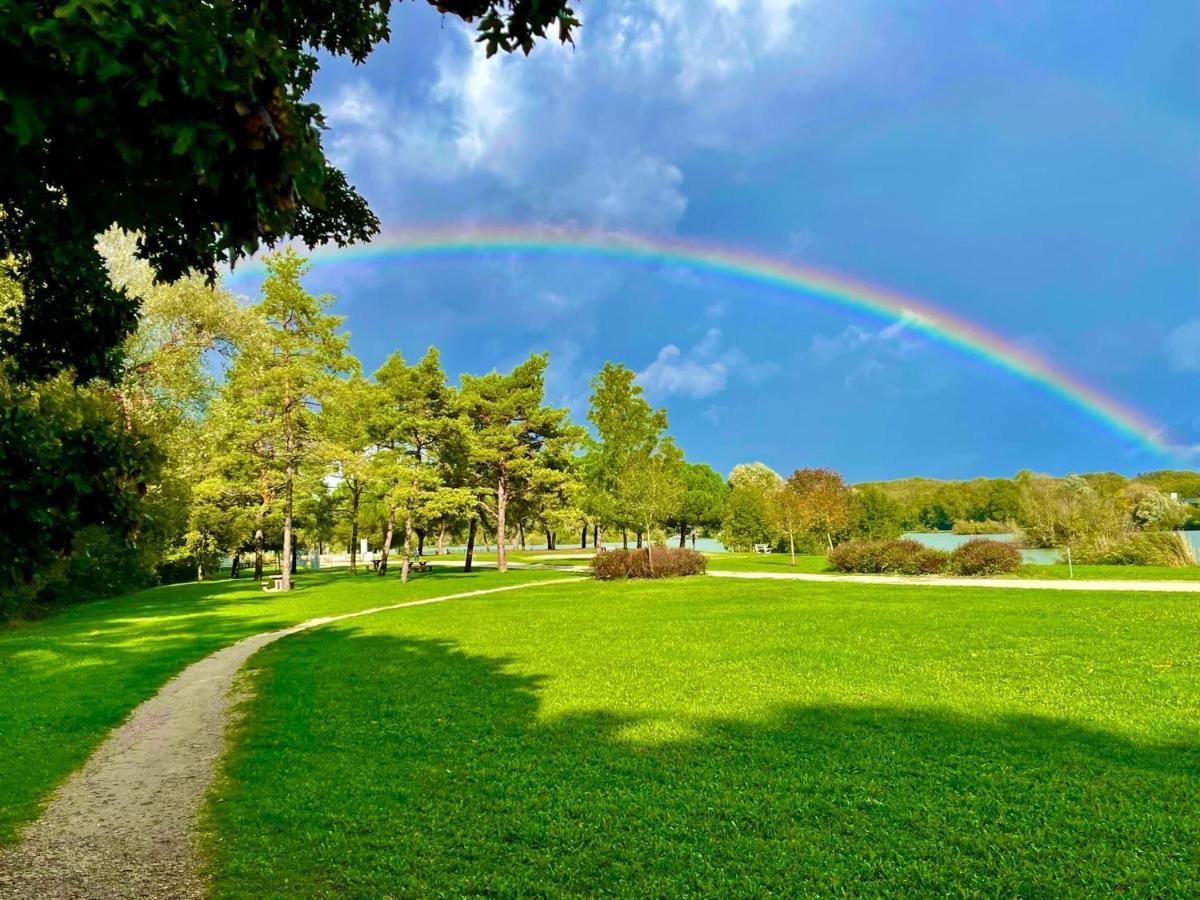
1111	573
730	738
66	681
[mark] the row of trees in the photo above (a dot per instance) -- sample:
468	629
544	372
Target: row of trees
284	442
923	504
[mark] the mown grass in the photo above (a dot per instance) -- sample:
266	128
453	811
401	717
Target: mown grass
767	562
724	738
1110	573
67	680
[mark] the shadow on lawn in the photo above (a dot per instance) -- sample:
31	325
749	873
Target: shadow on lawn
375	765
65	681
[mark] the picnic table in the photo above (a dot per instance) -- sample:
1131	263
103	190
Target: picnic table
276	584
762	548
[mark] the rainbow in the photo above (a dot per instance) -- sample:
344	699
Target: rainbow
754	269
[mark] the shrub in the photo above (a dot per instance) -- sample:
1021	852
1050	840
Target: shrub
898	557
1142	548
988	526
983	557
667	562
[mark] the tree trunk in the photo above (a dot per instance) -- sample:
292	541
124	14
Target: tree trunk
521	535
199	569
501	514
549	540
649	550
354	496
624	539
235	565
693	539
792	545
683	534
583	539
595	537
441	540
286	568
387	541
639	540
420	542
258	554
471	544
406	562
295	557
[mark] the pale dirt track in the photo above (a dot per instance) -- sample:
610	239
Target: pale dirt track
1042	584
121	827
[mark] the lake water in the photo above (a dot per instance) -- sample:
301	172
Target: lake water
944	540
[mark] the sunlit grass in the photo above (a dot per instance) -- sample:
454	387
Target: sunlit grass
702	736
66	681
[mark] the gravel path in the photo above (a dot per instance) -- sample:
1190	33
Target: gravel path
121	826
1043	584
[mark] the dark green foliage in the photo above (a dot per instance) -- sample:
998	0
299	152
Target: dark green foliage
66	465
874	514
187	123
650	562
889	557
983	557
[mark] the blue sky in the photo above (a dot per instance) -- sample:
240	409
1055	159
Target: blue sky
1032	166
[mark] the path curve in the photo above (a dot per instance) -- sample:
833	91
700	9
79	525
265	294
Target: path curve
121	826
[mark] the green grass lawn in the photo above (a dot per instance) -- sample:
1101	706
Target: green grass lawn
67	680
766	562
1111	573
702	736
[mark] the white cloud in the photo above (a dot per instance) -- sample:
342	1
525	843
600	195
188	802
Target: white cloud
870	355
1183	347
895	339
702	371
592	136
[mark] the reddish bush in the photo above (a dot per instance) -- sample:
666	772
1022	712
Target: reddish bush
887	557
982	557
667	562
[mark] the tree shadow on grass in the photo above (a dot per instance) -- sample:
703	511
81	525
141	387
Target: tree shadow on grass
67	680
375	766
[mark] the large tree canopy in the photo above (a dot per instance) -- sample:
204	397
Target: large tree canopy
185	122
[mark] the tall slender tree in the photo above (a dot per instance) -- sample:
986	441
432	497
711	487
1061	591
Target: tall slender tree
347	445
278	383
626	431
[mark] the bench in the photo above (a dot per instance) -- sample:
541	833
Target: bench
419	565
762	548
276	584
